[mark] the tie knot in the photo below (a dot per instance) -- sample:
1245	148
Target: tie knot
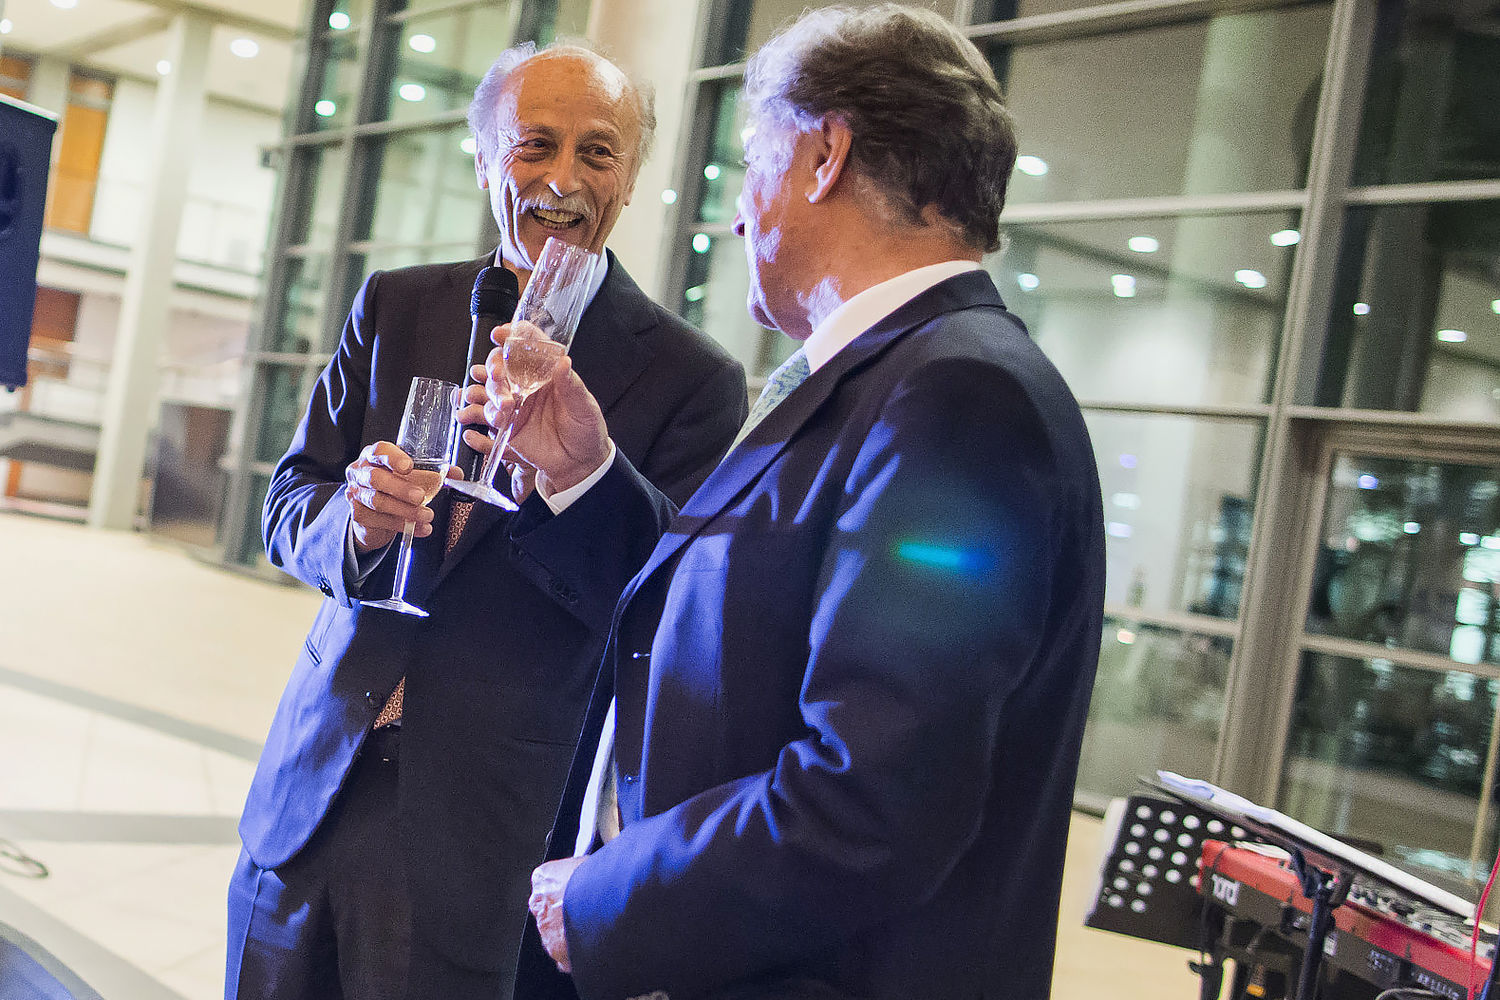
792	372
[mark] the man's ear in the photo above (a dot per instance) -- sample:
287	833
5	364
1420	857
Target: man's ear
833	140
480	173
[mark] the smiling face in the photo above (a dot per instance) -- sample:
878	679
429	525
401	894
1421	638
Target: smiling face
564	157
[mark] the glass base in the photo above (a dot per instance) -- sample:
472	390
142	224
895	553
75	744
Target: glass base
479	491
396	604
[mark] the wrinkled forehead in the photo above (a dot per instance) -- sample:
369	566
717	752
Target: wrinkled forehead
572	83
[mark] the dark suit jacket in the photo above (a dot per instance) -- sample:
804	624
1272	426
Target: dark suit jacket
851	685
499	675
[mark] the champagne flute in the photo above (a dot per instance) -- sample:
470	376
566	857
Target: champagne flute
541	332
427	429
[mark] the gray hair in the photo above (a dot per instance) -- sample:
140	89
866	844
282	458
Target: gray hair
929	121
487	95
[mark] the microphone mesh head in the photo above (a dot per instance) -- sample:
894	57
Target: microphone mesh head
496	291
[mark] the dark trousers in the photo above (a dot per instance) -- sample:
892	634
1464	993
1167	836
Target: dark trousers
334	923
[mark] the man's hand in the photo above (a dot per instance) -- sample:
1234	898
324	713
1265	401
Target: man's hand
561	433
381	497
546	904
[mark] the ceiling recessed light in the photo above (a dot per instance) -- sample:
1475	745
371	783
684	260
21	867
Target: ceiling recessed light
413	92
1124	285
711	172
702	243
338	20
1452	336
245	48
469	145
65	4
1033	166
325	109
669	197
163	67
1144	244
422	43
695	294
1029	282
1250	278
1495	305
1361	308
1286	238
5	25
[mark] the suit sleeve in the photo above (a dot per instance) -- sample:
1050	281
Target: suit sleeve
932	594
698	433
306	517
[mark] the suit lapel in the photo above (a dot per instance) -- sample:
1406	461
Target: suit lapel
749	459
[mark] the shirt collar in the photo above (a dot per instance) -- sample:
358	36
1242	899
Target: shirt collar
858	314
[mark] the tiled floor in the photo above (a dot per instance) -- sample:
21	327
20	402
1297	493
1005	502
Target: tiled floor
135	685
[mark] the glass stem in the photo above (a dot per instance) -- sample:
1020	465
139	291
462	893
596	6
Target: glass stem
493	461
403	559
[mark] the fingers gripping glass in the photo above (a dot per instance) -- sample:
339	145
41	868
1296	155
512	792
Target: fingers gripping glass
427	429
541	332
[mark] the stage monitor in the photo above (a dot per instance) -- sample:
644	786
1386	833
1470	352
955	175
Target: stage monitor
25	153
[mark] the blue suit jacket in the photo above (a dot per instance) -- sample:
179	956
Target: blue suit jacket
491	713
851	685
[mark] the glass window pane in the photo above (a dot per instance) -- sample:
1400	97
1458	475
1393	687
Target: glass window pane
427	192
742	26
338	92
388	258
441	59
319	173
252	550
1212	120
1390	754
1179	493
717	283
1192	316
724	173
1430	104
301	316
1158	702
284	391
1415	321
1410	557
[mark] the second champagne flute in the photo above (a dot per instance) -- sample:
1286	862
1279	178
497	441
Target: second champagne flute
427	429
541	332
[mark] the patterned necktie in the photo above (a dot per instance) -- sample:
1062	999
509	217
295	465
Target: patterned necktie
458	516
778	387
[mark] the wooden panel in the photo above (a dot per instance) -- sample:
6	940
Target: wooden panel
70	195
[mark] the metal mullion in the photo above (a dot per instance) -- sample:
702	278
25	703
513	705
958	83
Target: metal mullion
1243	203
442	120
1392	418
1209	411
1432	191
1263	673
1180	621
709	74
963	12
1413	659
373	246
304	140
286	359
1114	18
403	17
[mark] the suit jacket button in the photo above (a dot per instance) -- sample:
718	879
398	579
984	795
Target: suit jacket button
638	655
628	779
370	699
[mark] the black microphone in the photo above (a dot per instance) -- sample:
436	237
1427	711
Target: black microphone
496	292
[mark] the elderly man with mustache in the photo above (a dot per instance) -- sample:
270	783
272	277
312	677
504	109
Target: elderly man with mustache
414	765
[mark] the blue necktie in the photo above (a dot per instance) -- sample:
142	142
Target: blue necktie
778	387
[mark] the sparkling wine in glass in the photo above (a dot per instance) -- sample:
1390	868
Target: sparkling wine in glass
427	430
541	332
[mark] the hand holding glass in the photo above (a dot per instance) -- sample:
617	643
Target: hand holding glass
426	434
541	332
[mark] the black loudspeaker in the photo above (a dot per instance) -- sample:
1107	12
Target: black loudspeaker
25	152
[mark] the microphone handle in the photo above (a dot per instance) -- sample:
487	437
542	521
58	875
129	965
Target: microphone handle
466	458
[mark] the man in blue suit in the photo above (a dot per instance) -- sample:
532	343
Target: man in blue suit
414	765
849	686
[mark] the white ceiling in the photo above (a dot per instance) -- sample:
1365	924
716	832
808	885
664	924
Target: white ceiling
129	37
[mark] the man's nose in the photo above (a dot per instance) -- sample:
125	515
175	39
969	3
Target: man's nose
564	178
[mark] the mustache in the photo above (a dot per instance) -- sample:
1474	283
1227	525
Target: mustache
574	203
